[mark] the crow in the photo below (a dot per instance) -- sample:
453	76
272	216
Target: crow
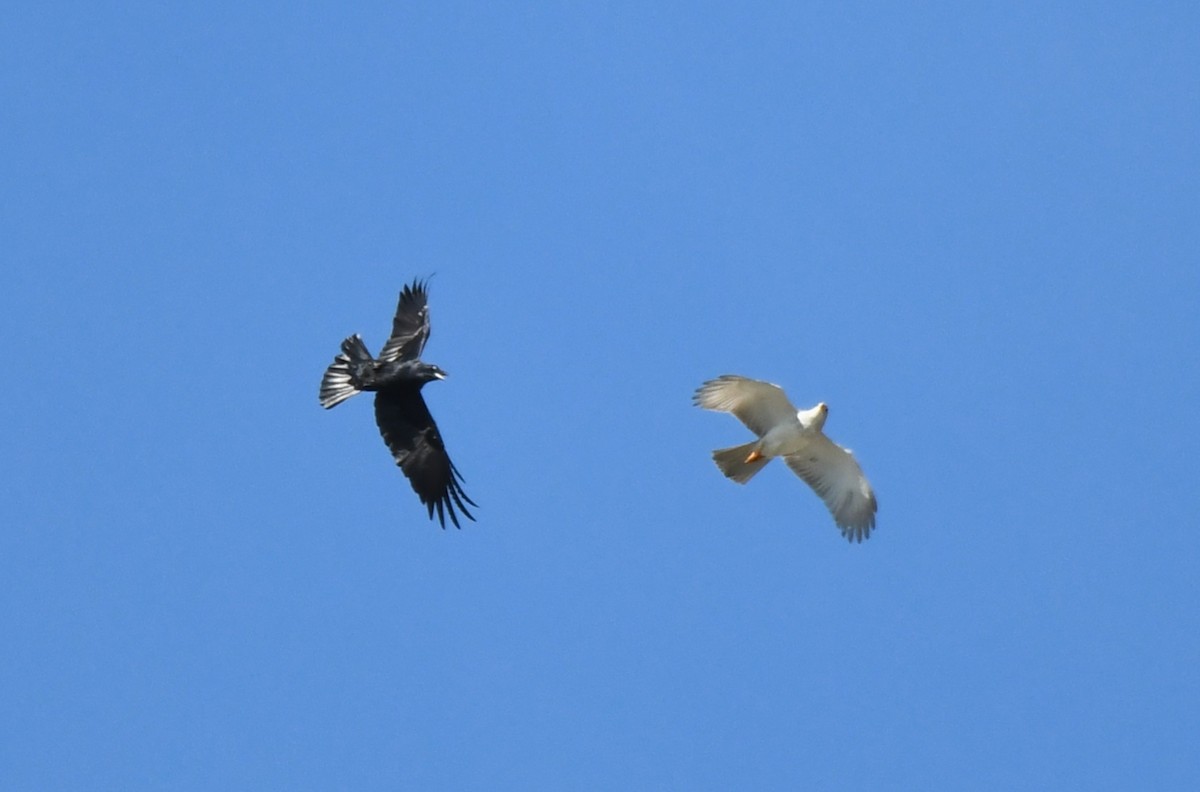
397	377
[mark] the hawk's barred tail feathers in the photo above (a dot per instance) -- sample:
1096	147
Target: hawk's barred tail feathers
732	462
338	385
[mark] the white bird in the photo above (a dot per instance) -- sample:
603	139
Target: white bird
796	436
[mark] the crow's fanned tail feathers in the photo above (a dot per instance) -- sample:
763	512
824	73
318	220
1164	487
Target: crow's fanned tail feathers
338	384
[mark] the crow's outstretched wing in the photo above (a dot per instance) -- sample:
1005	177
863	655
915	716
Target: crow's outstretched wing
410	326
413	438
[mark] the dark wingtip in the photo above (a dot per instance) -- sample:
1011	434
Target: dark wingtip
445	507
858	533
418	286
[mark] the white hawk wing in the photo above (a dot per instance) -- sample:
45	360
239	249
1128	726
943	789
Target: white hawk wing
760	405
834	474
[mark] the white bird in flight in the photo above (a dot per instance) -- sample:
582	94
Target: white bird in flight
796	436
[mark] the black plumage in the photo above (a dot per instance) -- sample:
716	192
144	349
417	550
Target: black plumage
396	377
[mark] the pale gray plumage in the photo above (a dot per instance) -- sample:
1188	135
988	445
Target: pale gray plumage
795	435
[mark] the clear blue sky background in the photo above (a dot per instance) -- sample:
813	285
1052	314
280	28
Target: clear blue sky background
972	229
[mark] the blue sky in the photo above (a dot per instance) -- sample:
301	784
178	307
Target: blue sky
973	231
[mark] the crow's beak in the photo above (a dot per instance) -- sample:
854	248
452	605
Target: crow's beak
441	375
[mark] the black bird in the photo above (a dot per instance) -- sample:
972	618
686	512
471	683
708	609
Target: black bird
404	421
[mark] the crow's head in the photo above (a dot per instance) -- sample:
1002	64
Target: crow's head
427	372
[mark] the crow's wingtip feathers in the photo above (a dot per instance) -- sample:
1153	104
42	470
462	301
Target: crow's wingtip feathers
445	508
418	287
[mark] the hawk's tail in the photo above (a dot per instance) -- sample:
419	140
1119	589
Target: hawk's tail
338	384
733	464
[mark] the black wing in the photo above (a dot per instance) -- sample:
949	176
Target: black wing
410	327
413	438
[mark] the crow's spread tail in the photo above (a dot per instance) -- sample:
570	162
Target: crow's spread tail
733	464
338	384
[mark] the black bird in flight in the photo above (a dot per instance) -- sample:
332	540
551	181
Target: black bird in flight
397	377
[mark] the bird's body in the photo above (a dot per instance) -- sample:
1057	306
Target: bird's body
797	437
382	375
396	377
